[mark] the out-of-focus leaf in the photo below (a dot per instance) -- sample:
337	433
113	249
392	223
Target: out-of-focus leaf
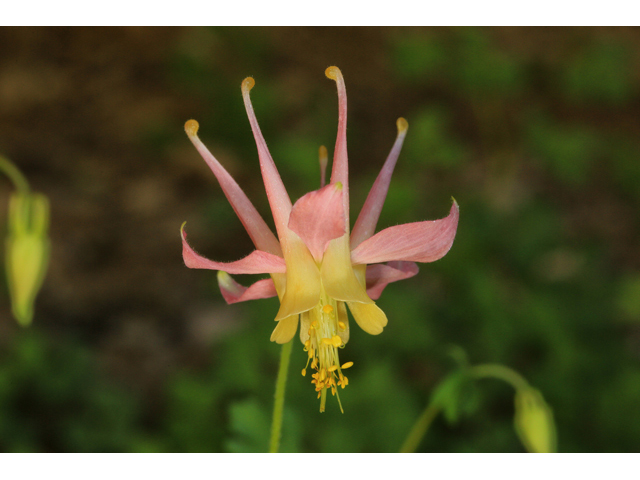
456	395
249	424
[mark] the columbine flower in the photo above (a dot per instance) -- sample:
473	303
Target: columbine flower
317	267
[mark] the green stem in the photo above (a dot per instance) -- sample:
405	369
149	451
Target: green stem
16	177
500	372
278	407
420	428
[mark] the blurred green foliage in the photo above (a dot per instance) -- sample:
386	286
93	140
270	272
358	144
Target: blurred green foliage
52	399
537	153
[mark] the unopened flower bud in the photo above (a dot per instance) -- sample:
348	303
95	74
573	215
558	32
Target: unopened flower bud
534	421
27	251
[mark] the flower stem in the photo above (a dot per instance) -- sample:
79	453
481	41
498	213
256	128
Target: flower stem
420	428
500	372
16	177
278	407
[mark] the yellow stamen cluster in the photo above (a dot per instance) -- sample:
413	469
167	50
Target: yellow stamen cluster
322	350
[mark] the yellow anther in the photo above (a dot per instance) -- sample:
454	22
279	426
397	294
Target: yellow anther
310	352
336	341
342	326
191	127
326	341
327	309
323	375
347	365
307	345
333	368
304	372
315	324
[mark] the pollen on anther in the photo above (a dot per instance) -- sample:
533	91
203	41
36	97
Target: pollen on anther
191	127
304	372
333	368
327	309
336	341
347	365
342	326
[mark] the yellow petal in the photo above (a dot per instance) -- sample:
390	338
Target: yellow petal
285	329
368	316
280	281
305	323
302	290
338	278
344	319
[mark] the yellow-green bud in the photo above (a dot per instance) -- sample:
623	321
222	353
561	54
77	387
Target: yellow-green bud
27	251
534	421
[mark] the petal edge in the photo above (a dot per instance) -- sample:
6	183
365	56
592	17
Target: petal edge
415	242
233	292
256	262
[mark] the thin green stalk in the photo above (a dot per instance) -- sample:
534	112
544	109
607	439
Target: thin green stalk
502	373
278	407
420	428
16	177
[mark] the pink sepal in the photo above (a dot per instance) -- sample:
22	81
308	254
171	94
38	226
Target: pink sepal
318	217
367	220
276	192
415	242
261	235
233	292
381	275
256	262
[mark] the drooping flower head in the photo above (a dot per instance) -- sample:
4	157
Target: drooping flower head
318	266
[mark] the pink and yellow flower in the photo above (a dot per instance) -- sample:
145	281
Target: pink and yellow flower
318	267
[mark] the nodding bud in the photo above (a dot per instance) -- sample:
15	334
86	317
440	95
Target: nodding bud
191	127
402	125
27	251
333	73
247	84
534	421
